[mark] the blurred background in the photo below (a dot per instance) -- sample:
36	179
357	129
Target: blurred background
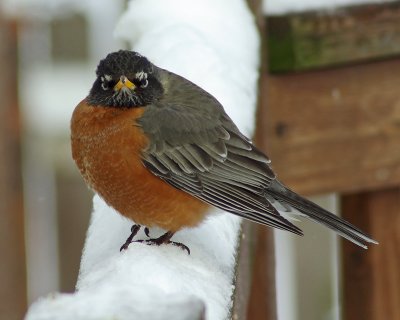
338	69
49	51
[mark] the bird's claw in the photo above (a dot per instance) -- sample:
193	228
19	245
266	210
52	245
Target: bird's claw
134	230
165	238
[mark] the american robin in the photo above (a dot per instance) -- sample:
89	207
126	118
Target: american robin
160	150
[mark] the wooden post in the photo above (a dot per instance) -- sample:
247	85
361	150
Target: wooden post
262	303
244	271
338	129
372	278
73	219
12	267
262	299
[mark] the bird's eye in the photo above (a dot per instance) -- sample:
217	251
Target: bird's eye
141	79
106	82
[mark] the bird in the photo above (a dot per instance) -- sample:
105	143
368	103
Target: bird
161	151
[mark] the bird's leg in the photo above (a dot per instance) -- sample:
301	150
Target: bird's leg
165	239
147	232
134	230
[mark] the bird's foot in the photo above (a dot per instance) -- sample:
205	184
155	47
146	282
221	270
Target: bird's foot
164	239
134	230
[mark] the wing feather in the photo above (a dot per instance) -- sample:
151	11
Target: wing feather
195	147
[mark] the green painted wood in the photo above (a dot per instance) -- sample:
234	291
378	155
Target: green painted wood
309	40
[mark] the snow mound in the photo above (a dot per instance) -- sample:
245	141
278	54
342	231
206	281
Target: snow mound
213	43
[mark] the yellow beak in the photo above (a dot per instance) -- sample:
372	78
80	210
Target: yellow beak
124	82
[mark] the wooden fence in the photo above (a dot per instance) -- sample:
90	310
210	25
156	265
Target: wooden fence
335	127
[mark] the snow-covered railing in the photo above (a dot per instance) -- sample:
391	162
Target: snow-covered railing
213	43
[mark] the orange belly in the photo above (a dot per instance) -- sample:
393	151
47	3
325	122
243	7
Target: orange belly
106	146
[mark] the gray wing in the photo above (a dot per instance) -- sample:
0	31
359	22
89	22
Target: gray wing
196	148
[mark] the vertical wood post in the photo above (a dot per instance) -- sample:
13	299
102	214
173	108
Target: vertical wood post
262	302
262	299
255	296
12	266
372	278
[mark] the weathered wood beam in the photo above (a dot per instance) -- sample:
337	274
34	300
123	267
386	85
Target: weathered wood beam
255	275
309	40
244	271
13	299
73	218
335	130
262	298
371	284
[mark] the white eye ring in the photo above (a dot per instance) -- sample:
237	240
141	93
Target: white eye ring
142	77
104	81
104	86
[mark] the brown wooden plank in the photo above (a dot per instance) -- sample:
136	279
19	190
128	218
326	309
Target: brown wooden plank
74	204
244	271
260	284
255	296
299	41
262	303
334	130
372	278
262	299
12	267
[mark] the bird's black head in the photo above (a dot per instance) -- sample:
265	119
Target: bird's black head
125	79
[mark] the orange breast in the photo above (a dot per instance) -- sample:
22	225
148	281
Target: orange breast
106	146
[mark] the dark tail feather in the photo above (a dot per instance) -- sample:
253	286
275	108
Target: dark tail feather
320	215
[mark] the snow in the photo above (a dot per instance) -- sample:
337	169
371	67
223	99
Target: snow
146	282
